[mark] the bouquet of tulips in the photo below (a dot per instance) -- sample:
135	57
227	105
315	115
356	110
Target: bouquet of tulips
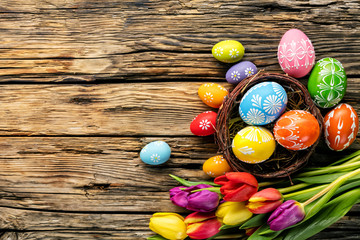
237	206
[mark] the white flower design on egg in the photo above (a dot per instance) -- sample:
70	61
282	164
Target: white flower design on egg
234	53
249	71
235	75
155	158
204	124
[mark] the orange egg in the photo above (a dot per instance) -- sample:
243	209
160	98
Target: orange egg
212	94
216	166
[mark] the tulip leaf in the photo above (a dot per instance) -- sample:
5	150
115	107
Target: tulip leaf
156	237
264	233
225	226
329	214
354	154
321	179
190	183
255	221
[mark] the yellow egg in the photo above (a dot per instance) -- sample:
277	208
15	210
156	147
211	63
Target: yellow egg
253	144
212	94
228	51
216	166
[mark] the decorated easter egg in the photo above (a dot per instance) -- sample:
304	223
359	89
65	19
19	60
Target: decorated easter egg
253	144
327	82
296	54
228	51
340	127
296	130
155	153
263	103
212	94
240	71
216	166
204	124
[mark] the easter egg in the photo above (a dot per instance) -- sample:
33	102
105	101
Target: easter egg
327	82
204	124
263	103
296	54
216	166
296	130
155	153
253	144
240	71
341	126
212	94
228	51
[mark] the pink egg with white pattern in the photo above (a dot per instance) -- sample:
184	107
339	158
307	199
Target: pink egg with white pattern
296	54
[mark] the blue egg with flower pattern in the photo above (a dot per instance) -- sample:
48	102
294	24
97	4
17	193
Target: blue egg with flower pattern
155	153
240	71
263	103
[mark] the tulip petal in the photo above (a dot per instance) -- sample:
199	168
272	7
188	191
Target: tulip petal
263	207
242	177
199	217
168	225
221	180
286	215
204	201
268	194
240	194
233	213
180	199
203	230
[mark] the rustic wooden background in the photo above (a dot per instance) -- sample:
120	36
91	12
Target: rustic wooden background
85	84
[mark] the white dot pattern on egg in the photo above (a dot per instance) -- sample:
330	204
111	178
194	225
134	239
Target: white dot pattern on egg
155	153
263	103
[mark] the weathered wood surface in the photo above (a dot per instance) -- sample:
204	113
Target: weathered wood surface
86	84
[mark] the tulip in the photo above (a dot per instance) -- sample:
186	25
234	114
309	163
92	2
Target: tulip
202	201
202	225
250	231
237	186
233	213
286	215
265	201
168	225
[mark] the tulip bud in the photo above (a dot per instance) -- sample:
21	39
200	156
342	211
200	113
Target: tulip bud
237	186
203	201
202	225
286	215
168	225
233	213
265	201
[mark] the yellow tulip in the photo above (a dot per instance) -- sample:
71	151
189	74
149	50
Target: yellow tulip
233	213
168	225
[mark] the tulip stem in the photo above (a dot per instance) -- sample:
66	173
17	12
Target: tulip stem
265	184
211	189
354	164
293	188
290	195
335	183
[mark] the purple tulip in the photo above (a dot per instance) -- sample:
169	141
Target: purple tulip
202	201
286	215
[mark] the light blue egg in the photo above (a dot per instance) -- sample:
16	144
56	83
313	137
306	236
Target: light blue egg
263	103
155	153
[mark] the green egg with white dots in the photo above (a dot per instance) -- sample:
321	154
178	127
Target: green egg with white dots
228	51
327	82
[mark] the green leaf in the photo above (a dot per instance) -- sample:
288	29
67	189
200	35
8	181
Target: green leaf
264	233
189	183
223	227
212	189
255	221
329	214
156	237
321	179
353	155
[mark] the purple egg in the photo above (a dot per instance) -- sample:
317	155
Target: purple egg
240	71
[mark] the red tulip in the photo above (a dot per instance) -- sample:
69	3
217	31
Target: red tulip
237	186
265	201
202	225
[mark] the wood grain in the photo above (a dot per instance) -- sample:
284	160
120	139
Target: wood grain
60	40
109	109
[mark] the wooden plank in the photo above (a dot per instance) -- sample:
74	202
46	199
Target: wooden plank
91	40
59	225
109	109
99	174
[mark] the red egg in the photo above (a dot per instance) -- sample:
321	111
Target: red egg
341	127
204	124
296	130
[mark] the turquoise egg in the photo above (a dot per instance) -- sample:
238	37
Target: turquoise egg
155	153
263	103
327	82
